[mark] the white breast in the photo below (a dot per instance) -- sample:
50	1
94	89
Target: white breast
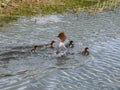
62	45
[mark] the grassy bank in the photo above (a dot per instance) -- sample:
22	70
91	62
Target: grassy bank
12	9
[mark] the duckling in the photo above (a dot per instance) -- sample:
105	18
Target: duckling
70	44
34	48
85	52
51	45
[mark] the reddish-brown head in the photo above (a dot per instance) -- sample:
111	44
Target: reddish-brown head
62	36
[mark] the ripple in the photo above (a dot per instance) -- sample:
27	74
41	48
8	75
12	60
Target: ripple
22	70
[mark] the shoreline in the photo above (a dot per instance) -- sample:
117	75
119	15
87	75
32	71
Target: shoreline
10	11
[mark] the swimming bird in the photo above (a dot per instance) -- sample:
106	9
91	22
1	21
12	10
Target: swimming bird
85	52
70	44
62	38
62	50
50	45
34	48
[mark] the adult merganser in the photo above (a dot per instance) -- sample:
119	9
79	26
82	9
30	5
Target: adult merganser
62	50
70	44
62	38
85	52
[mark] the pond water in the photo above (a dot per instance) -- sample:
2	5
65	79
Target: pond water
22	70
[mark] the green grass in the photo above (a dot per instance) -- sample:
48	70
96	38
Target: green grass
53	7
7	19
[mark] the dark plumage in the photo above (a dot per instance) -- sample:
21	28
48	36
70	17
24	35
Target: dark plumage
50	45
85	52
34	48
70	44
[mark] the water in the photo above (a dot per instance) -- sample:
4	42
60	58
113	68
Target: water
22	70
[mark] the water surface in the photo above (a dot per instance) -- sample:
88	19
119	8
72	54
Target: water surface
22	70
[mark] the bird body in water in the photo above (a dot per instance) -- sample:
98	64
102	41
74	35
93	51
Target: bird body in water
34	49
50	45
62	50
85	52
70	44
